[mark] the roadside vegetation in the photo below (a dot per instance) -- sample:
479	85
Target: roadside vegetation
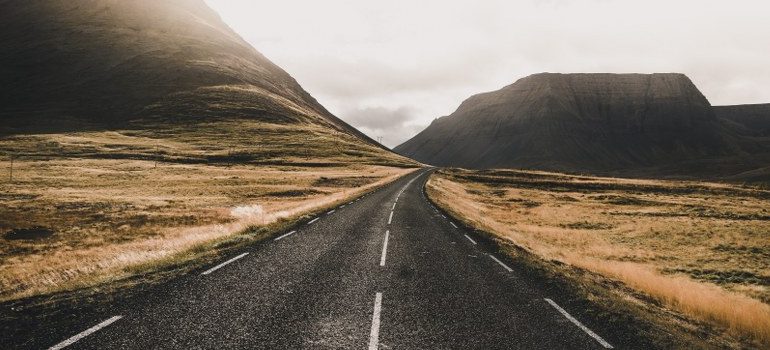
87	208
699	249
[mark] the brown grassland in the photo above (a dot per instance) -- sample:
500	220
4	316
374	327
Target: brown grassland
700	249
110	205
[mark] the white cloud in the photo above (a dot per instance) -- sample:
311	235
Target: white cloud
422	58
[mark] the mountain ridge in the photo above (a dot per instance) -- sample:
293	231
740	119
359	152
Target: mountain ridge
602	123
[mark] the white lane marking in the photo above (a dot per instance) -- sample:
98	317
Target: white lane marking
384	248
374	335
453	224
443	216
501	263
470	239
85	333
580	325
394	207
284	236
330	212
223	264
390	219
342	206
312	221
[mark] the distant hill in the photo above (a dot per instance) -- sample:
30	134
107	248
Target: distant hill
752	119
94	64
625	124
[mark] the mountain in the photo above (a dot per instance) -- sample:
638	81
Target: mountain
70	65
751	119
627	124
155	73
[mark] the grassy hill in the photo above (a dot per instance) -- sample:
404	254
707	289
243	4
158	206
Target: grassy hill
139	135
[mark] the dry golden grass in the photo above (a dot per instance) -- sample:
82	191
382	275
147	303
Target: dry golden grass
702	249
116	212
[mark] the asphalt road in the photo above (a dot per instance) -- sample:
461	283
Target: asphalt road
387	271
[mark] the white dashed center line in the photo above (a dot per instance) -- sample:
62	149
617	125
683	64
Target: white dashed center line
223	264
85	333
284	236
394	206
580	325
384	248
390	219
501	263
470	239
374	335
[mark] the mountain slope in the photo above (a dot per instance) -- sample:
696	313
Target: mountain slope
69	65
752	119
601	123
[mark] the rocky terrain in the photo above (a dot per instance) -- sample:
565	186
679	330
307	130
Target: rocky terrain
620	124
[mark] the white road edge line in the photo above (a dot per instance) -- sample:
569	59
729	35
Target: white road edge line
580	325
312	221
284	236
453	224
384	248
85	333
390	218
342	206
470	239
223	264
374	335
330	212
501	263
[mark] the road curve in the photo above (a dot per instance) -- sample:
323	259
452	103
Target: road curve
387	271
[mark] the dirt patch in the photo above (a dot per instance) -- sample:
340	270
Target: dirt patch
353	181
587	225
33	233
295	193
725	277
525	202
625	200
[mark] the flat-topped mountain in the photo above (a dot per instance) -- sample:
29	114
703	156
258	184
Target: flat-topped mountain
600	123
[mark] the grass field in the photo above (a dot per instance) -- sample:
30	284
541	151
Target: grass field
88	208
701	249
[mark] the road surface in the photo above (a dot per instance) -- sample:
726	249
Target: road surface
387	271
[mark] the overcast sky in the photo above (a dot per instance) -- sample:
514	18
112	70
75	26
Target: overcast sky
391	67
